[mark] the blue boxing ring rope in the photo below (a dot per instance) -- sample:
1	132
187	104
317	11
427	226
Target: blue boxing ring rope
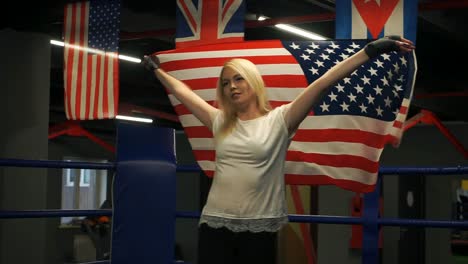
136	163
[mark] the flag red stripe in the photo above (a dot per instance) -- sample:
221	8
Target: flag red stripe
260	44
398	124
97	69
79	81
181	110
209	173
270	81
209	24
198	132
404	110
341	135
219	61
281	81
327	180
347	161
105	103
199	84
204	155
88	87
115	83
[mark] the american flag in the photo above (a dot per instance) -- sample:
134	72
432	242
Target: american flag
209	21
91	69
341	140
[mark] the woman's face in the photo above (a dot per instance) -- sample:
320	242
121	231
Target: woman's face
236	89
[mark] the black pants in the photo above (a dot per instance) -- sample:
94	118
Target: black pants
220	245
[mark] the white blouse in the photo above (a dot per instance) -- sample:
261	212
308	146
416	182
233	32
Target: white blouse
248	189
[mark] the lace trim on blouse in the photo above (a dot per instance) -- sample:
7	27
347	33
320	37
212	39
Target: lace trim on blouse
242	225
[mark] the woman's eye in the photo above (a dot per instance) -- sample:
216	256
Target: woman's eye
239	78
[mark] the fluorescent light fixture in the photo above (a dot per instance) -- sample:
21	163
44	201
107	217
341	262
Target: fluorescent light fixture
136	119
58	43
300	32
293	29
128	58
112	54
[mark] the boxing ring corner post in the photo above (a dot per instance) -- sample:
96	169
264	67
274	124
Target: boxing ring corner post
144	195
371	228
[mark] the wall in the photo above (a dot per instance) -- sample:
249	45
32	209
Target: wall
62	238
422	145
188	199
24	106
425	146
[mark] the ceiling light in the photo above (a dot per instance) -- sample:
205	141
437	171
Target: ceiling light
300	32
58	43
112	54
136	119
128	58
293	29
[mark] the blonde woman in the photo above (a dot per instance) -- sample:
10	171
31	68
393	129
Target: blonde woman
246	204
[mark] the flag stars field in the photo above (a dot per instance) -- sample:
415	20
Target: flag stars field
377	90
372	71
340	88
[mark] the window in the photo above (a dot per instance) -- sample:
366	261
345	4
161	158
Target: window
82	188
84	176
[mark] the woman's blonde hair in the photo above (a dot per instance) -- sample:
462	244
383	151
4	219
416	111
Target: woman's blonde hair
250	73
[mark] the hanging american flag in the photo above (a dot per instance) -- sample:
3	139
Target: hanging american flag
91	69
341	141
223	22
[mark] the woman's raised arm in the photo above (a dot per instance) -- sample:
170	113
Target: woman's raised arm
300	107
196	105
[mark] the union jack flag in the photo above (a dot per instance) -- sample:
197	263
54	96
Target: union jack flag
223	21
341	140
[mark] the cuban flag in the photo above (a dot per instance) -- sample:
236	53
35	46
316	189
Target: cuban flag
341	140
207	22
372	19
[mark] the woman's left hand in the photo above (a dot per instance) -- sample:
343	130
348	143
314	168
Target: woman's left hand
387	44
